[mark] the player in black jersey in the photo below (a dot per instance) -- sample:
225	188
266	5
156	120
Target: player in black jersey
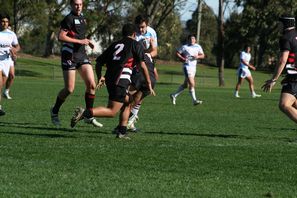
119	58
74	57
288	60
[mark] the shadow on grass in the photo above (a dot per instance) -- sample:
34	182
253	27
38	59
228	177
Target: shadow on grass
24	72
195	134
39	135
31	126
227	136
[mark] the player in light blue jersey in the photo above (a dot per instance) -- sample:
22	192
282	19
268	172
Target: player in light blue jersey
147	36
188	55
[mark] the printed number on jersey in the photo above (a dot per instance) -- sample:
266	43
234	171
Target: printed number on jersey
119	48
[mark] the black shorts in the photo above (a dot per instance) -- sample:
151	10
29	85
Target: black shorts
116	93
290	87
140	84
70	63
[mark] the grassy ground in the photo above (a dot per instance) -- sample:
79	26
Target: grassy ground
225	147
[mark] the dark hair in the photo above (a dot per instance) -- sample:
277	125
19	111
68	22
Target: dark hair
140	19
287	20
4	15
191	35
128	29
246	46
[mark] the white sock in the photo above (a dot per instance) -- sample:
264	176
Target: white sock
254	93
236	93
179	91
193	95
135	109
6	91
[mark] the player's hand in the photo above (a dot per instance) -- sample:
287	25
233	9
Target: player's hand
100	83
84	41
13	54
253	67
268	85
152	92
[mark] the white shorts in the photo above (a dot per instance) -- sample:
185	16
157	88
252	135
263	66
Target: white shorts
243	72
5	66
190	71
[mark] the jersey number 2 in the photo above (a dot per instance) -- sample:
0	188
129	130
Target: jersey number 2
119	48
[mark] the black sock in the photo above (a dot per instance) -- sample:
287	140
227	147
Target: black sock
122	129
88	113
57	105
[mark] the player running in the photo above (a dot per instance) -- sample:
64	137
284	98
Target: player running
147	36
189	54
120	58
9	46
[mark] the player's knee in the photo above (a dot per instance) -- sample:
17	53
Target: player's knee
283	106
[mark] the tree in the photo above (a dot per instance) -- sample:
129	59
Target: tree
221	47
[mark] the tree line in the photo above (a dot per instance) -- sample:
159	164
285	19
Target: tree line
37	23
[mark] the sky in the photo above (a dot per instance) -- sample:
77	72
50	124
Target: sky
191	6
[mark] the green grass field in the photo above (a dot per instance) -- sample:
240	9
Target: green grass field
225	147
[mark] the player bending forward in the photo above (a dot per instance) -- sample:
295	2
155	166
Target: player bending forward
119	57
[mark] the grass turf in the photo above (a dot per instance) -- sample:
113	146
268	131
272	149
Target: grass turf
225	147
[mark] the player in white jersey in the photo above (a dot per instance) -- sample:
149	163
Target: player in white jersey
244	72
9	46
189	54
147	36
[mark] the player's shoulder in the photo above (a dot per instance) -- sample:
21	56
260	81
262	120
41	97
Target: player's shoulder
150	31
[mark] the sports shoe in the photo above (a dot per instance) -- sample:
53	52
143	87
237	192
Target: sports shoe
55	118
197	102
2	113
77	116
236	96
6	95
93	121
256	96
173	99
123	136
132	120
132	128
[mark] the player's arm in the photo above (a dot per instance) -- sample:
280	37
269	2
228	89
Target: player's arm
180	56
252	67
100	61
13	51
65	38
154	50
278	70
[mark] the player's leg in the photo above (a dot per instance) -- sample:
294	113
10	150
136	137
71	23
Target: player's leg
87	74
251	86
133	117
287	105
181	88
9	82
69	84
1	84
240	79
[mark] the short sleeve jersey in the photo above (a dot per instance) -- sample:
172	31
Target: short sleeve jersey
189	51
145	39
246	57
288	42
120	58
7	39
76	28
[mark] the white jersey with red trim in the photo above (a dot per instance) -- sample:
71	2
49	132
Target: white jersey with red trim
189	51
